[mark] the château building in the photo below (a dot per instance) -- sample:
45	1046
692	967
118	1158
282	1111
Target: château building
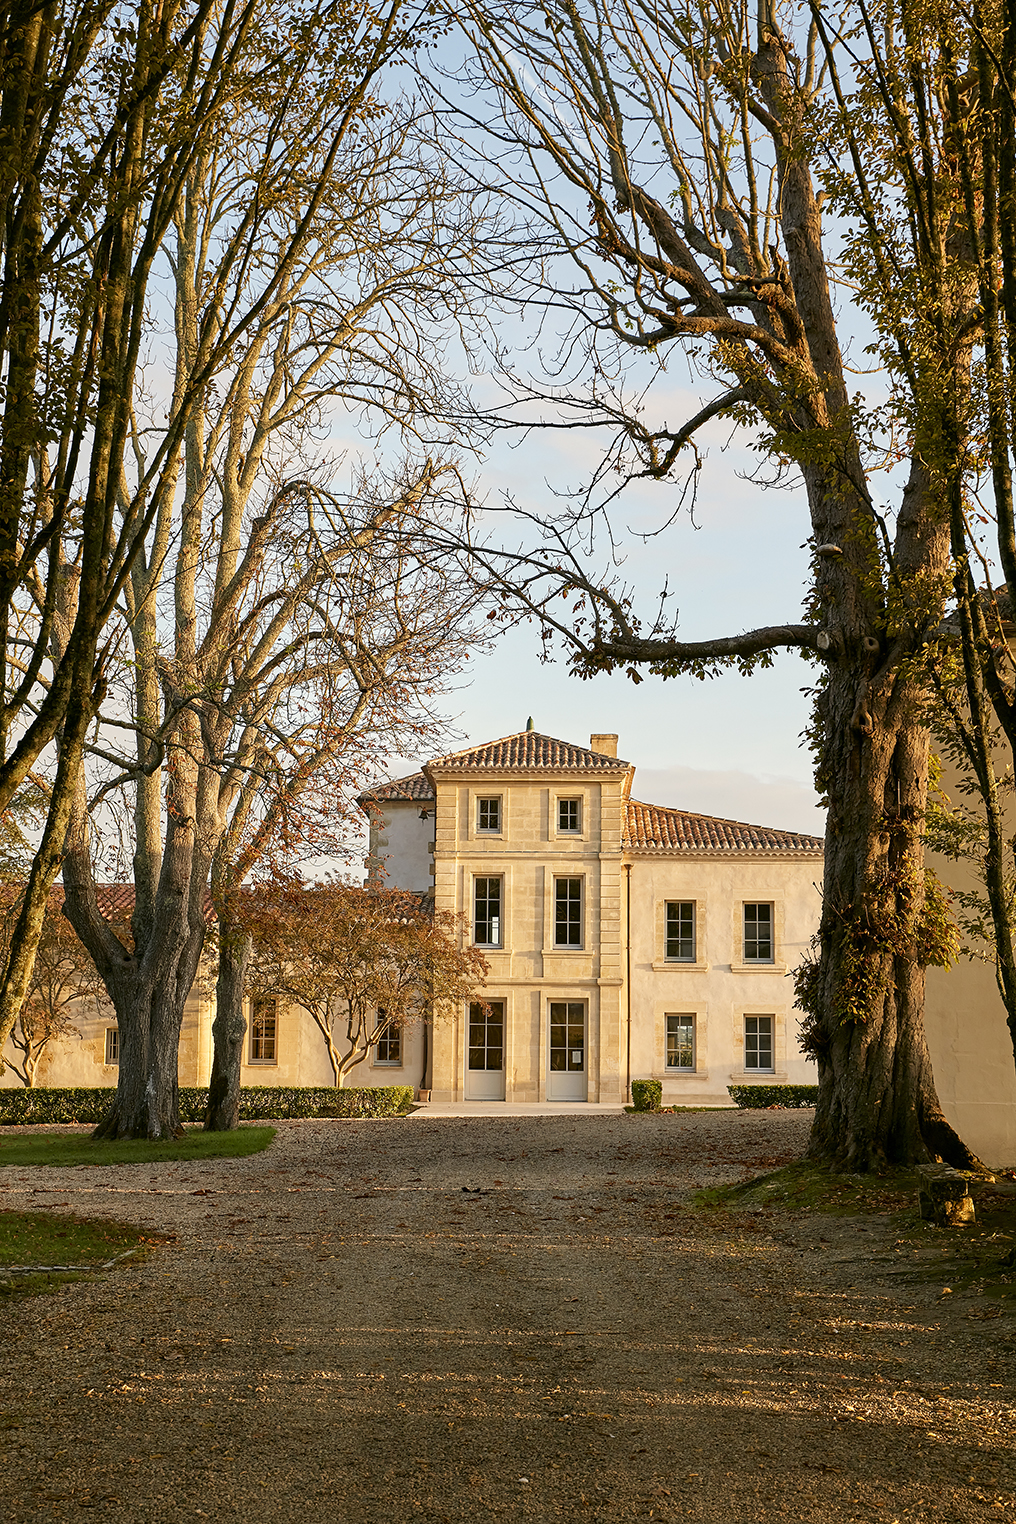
625	940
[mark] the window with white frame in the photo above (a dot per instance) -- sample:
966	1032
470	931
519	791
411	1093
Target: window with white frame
112	1055
680	946
758	1043
680	1040
569	816
388	1048
488	814
567	912
263	1030
758	933
487	910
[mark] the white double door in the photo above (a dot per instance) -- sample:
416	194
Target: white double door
567	1078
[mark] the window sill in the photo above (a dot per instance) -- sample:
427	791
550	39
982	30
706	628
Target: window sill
758	968
684	1074
565	952
769	1076
262	1063
678	966
385	1063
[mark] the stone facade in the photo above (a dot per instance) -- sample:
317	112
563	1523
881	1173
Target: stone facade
542	829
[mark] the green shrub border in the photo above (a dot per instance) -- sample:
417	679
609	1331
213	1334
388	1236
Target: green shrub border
646	1095
757	1097
258	1103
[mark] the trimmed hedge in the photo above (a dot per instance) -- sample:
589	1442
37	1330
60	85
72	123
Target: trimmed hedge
646	1095
757	1097
25	1108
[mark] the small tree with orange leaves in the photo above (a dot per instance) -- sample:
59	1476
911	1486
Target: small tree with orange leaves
357	961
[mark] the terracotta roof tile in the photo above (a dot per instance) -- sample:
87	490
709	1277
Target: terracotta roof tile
116	901
654	826
529	749
416	786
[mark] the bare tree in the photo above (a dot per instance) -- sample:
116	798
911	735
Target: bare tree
104	108
407	628
273	624
676	160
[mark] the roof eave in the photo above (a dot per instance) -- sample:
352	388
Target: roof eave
445	771
786	854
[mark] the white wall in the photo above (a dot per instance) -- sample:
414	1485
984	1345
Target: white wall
402	842
971	1051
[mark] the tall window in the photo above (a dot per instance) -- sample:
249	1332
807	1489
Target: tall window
569	815
112	1046
758	1043
758	933
263	1030
680	1040
681	930
487	912
568	912
388	1049
488	814
486	1034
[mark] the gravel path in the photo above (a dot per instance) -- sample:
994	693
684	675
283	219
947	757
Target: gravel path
464	1318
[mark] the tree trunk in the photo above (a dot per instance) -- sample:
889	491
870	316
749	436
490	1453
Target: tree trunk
865	996
229	1029
148	986
147	1103
338	1071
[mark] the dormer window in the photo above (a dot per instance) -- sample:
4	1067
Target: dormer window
488	815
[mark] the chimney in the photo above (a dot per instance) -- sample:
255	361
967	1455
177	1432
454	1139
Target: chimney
605	745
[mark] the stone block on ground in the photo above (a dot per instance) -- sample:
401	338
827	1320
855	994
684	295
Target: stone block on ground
944	1195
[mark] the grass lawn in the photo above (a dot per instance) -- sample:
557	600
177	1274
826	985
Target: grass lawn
72	1148
46	1238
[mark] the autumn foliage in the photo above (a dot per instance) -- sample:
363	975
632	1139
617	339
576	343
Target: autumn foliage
357	960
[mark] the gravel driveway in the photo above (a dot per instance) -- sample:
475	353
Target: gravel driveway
519	1318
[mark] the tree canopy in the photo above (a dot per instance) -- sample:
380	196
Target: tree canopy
700	176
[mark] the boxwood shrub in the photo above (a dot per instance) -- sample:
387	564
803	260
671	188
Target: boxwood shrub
24	1108
757	1097
646	1095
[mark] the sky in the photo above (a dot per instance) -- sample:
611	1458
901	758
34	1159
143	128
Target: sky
730	746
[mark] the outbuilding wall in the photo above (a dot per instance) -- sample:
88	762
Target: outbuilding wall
719	989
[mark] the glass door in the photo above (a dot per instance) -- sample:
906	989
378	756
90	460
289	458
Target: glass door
485	1051
566	1072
